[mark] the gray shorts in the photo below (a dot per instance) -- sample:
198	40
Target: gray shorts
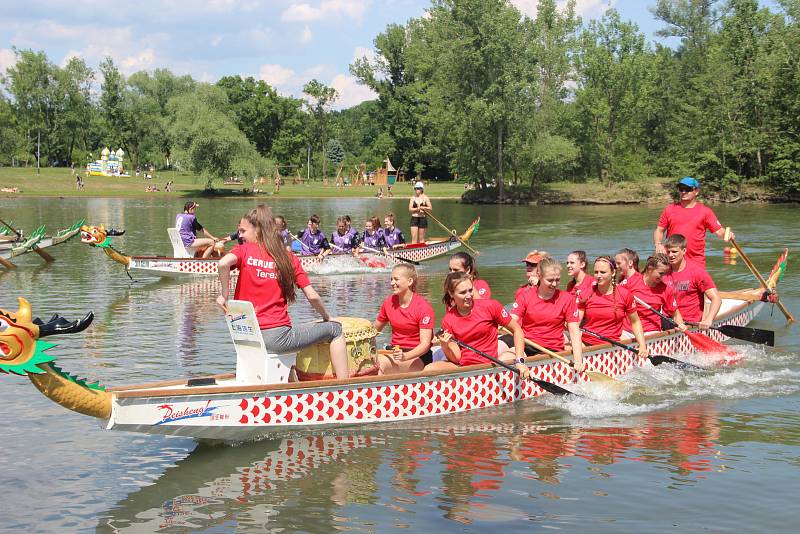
286	339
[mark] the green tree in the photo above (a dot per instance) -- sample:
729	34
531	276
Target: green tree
335	152
320	99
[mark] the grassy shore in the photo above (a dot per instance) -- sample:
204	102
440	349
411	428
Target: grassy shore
60	182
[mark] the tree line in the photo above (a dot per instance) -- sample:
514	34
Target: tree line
474	87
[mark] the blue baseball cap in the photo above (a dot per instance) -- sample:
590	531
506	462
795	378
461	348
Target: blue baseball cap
688	181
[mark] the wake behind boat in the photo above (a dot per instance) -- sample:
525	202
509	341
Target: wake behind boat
258	399
183	263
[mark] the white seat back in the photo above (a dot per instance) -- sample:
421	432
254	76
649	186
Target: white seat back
179	250
254	365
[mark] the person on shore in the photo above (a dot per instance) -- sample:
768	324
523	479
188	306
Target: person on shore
418	204
343	241
603	309
543	310
581	282
411	318
268	277
475	323
392	235
372	237
531	269
690	219
692	285
313	240
188	226
655	293
463	262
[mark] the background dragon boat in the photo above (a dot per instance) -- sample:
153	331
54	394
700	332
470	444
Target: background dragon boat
258	399
36	241
183	264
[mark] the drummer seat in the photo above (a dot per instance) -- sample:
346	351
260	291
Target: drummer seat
179	250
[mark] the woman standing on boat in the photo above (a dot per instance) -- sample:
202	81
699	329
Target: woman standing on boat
464	263
604	307
268	276
417	206
581	281
411	318
475	323
188	226
657	294
543	310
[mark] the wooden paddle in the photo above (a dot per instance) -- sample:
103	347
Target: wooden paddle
727	237
547	386
19	235
593	375
753	335
656	359
450	231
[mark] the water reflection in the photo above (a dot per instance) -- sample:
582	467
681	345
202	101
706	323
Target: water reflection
464	468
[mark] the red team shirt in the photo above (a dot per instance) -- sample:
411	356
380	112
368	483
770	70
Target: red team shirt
691	223
478	329
543	320
690	286
481	289
406	322
661	297
604	313
583	288
258	283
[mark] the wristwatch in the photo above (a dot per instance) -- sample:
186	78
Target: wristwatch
520	360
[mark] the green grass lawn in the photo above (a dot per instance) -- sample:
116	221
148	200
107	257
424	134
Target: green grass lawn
60	182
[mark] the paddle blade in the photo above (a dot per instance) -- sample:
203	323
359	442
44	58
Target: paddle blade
658	359
753	335
552	388
706	345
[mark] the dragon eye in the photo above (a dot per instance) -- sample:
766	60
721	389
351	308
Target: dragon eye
3	325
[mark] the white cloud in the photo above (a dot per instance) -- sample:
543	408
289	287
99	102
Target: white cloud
143	60
303	12
69	55
306	36
583	8
277	75
217	40
7	59
350	91
363	51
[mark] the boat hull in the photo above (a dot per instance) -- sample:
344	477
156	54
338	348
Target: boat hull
331	264
231	411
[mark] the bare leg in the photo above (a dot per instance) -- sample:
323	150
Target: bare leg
441	365
390	366
414	234
422	232
339	358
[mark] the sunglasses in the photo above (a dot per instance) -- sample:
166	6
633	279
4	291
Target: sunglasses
685	189
530	265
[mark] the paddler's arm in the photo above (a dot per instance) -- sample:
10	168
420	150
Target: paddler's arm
678	318
574	331
425	340
224	275
658	240
710	310
638	332
316	302
721	234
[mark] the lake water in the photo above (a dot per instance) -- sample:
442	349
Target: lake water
713	451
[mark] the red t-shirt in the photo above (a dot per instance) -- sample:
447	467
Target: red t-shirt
543	320
661	297
478	329
690	286
692	224
604	313
258	283
481	289
582	288
406	322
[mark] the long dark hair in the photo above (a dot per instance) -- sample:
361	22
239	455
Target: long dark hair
270	242
468	262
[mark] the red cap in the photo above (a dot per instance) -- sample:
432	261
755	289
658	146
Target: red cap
532	257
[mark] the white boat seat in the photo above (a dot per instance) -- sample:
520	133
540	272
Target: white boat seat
254	365
179	250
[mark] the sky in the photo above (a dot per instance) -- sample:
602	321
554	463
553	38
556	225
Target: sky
284	42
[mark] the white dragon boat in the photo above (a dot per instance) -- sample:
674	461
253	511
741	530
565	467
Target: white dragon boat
258	399
36	241
184	264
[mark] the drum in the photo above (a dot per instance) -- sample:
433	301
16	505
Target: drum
314	362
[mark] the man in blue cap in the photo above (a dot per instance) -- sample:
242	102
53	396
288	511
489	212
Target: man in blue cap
690	219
